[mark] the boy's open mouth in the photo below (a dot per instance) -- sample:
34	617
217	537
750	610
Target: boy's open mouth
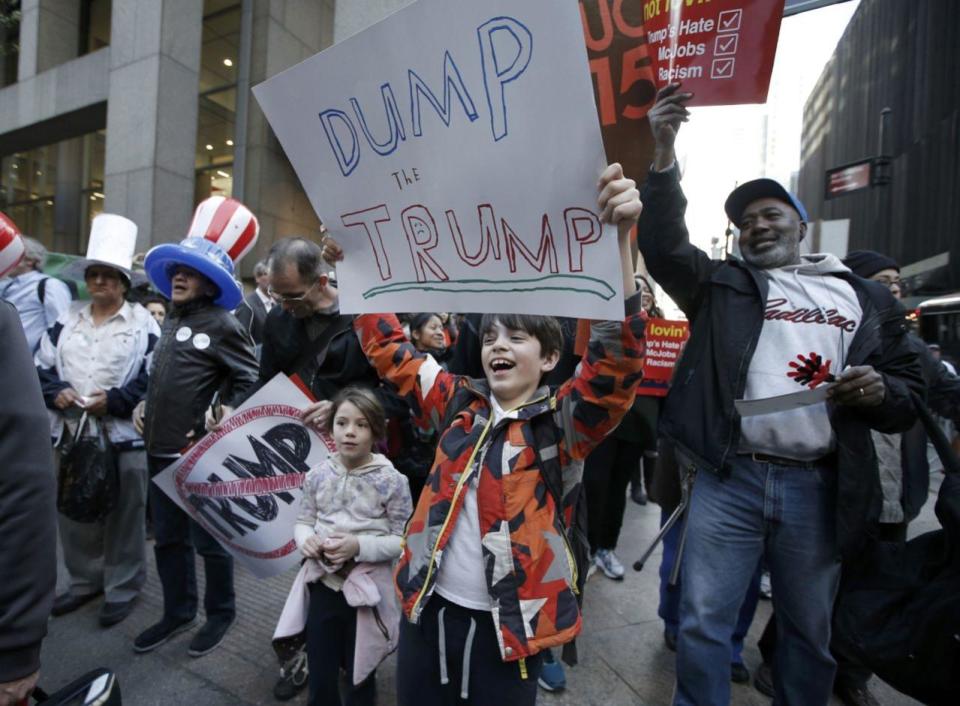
499	365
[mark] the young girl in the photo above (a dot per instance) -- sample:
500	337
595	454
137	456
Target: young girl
351	521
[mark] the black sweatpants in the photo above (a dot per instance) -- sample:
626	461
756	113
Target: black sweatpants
459	663
606	474
331	634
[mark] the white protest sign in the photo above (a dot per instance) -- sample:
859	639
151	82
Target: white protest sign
242	482
453	150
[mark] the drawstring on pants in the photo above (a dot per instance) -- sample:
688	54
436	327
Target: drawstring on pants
467	652
442	638
467	649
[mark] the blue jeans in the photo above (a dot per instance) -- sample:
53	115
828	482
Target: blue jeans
785	513
669	608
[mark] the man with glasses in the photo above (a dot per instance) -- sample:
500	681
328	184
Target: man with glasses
306	335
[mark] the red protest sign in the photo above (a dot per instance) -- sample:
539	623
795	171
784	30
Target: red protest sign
665	340
623	80
721	50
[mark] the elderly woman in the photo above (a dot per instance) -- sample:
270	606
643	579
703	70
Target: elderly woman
93	361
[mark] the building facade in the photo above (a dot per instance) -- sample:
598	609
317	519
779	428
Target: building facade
904	56
143	108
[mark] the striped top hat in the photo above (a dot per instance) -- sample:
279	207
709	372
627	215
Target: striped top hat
11	245
222	231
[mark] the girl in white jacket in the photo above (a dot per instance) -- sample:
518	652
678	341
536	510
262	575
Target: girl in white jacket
355	505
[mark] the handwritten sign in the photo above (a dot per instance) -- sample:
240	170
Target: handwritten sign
623	79
665	340
721	50
242	482
453	150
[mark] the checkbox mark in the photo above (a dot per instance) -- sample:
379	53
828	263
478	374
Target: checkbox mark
722	68
729	20
725	44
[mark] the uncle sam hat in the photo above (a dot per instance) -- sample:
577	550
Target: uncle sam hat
223	230
11	245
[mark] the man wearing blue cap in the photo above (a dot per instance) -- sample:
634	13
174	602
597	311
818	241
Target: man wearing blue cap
203	349
797	483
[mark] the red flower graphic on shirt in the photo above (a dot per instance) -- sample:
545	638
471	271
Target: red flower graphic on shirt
810	370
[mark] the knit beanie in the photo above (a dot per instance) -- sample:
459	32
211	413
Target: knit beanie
866	263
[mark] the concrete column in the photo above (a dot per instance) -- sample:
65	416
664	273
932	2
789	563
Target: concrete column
152	115
49	35
285	32
352	16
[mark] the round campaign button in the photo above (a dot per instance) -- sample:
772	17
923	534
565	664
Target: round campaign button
201	341
183	333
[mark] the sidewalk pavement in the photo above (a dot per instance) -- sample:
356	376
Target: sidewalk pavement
623	658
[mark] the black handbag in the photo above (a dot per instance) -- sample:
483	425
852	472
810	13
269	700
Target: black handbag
88	483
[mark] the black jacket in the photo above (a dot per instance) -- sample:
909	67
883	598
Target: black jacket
202	349
28	522
253	315
322	349
943	397
725	303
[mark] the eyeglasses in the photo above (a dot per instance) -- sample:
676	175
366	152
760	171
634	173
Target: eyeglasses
291	298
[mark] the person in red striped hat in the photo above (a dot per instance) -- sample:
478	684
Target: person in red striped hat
203	348
11	245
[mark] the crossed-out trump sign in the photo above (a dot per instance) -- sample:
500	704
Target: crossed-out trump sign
453	150
242	482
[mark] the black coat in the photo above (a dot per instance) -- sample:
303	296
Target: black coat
725	303
943	397
322	349
28	522
215	353
253	315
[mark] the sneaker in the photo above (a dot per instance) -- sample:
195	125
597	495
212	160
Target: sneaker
854	695
766	590
638	494
552	676
156	635
293	677
763	679
609	564
739	674
209	637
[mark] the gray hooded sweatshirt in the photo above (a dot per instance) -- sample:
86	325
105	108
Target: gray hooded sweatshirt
810	319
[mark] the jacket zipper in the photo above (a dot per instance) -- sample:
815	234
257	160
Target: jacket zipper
414	611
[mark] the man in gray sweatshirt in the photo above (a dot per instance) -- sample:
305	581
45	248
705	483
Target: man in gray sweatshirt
797	484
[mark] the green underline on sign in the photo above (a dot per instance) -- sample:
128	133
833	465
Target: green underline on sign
556	283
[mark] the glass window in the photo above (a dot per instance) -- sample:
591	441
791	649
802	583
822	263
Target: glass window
94	25
216	121
38	189
9	41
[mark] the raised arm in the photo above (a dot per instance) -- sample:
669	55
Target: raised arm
419	379
681	268
592	403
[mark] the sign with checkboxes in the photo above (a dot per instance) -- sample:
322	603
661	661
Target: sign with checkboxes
701	44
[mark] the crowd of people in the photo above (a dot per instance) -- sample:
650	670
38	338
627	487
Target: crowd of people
483	462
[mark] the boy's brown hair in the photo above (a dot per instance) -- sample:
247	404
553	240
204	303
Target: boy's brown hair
369	406
545	329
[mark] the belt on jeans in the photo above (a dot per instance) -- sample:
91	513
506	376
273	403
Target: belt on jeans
782	461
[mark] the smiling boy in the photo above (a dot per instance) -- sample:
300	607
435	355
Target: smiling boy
487	579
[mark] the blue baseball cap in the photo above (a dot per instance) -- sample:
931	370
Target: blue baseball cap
747	193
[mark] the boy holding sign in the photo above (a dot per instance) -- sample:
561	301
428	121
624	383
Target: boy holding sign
487	578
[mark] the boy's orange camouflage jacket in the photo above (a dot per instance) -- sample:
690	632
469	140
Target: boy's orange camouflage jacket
529	566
